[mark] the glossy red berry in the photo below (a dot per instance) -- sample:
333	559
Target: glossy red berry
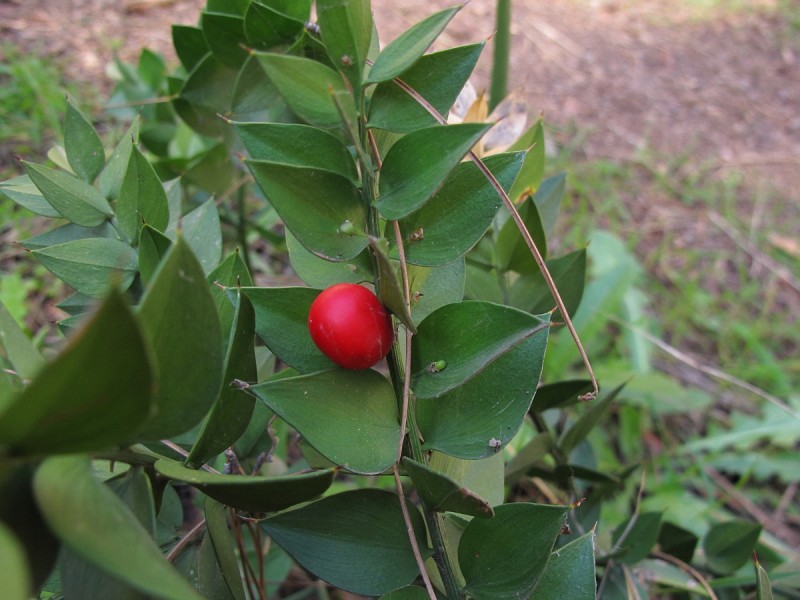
350	326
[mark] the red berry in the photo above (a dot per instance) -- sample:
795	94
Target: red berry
350	326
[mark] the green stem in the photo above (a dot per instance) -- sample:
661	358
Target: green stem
440	555
502	49
241	229
397	369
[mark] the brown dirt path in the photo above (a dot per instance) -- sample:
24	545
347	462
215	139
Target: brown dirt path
721	84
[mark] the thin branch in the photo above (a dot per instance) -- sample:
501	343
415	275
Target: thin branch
636	511
623	536
630	584
146	101
185	540
537	255
255	534
247	569
742	501
174	447
786	499
694	573
766	261
548	278
407	369
713	372
412	536
406	393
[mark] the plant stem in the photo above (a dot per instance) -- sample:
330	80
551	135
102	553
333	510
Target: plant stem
502	48
412	536
185	540
241	229
399	370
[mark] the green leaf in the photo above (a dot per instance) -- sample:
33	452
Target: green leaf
409	592
76	304
569	273
201	230
224	34
570	572
141	199
432	288
255	98
504	557
95	394
530	176
73	198
346	30
548	199
763	587
151	68
416	166
577	433
254	494
282	323
308	87
408	47
269	24
69	233
560	394
222	542
25	359
355	540
190	45
468	336
438	77
453	413
153	247
169	521
391	289
730	545
80	579
204	571
641	534
297	146
82	144
530	454
206	93
114	172
232	272
16	580
180	322
484	477
82	511
230	414
321	273
228	7
677	541
135	489
350	417
22	191
441	493
511	253
314	204
91	266
20	514
458	215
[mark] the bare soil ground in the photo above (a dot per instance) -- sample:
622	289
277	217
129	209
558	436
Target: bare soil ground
721	83
710	85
